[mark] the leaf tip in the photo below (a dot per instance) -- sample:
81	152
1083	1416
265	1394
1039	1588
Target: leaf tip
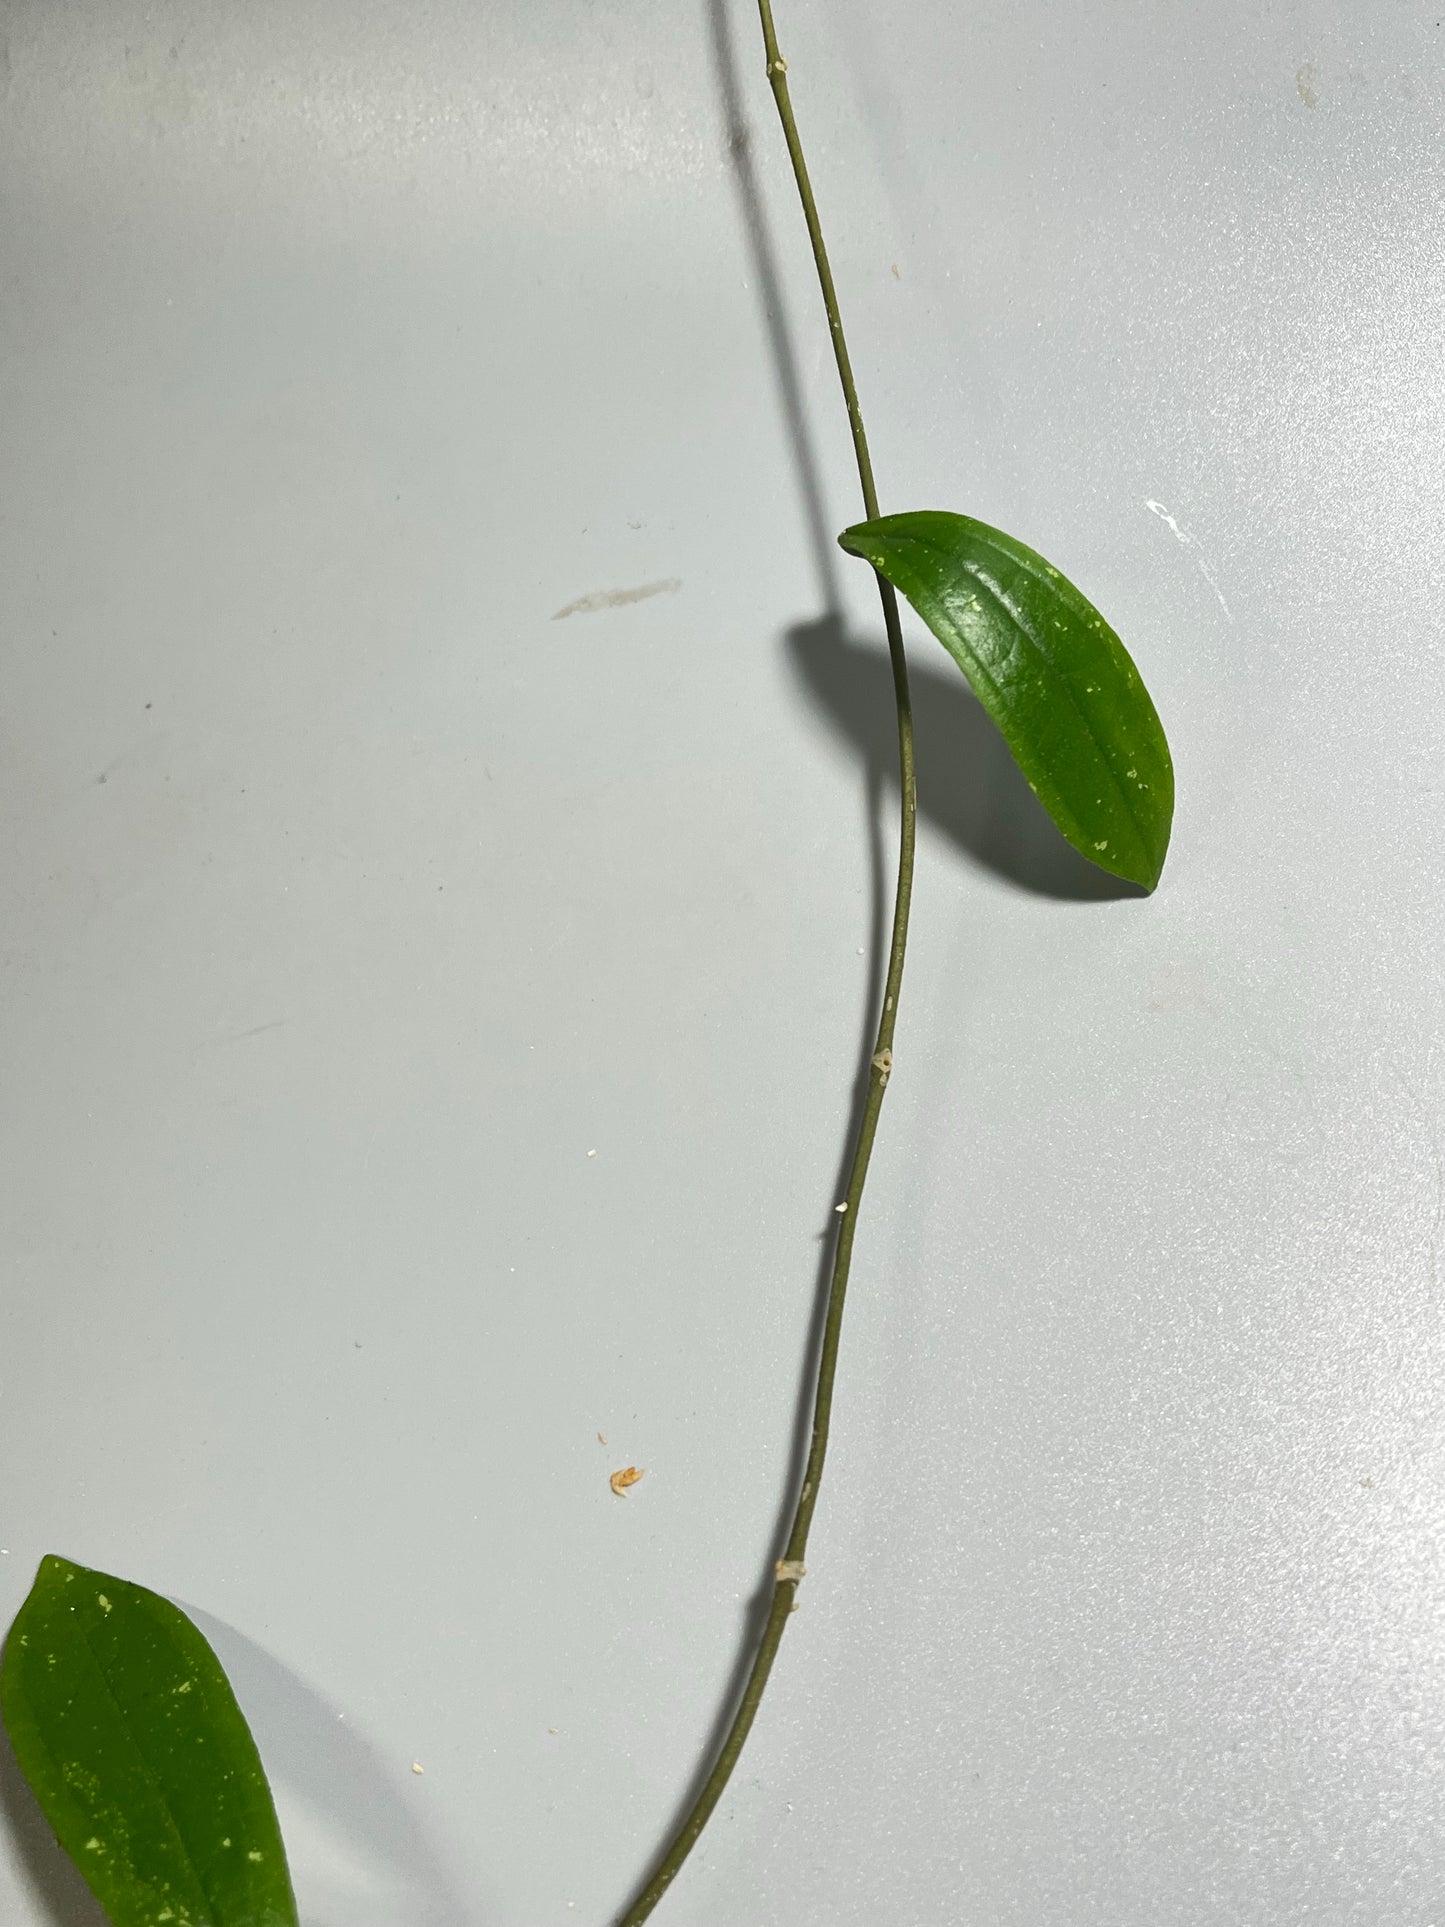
1148	879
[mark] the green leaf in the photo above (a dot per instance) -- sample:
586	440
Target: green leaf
127	1730
1049	670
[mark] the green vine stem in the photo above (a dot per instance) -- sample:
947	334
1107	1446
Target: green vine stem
791	1568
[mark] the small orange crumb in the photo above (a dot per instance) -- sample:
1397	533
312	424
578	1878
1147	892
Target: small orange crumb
629	1475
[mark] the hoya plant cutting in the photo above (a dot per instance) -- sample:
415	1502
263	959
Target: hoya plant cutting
120	1715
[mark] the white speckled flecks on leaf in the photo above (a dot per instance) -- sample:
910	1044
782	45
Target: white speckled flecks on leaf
127	1729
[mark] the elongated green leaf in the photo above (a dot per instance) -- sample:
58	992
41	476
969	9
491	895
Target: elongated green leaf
127	1730
1049	670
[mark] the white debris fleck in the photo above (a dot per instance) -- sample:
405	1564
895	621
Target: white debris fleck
102	1602
417	1767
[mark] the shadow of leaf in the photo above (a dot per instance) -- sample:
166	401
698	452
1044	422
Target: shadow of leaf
969	786
61	1897
306	1750
309	1751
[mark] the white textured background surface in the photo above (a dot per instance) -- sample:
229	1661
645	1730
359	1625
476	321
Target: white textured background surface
350	901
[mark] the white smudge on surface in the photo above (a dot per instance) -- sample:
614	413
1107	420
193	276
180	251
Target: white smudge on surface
1158	508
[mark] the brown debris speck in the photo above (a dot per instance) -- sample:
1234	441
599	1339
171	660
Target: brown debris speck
629	1475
